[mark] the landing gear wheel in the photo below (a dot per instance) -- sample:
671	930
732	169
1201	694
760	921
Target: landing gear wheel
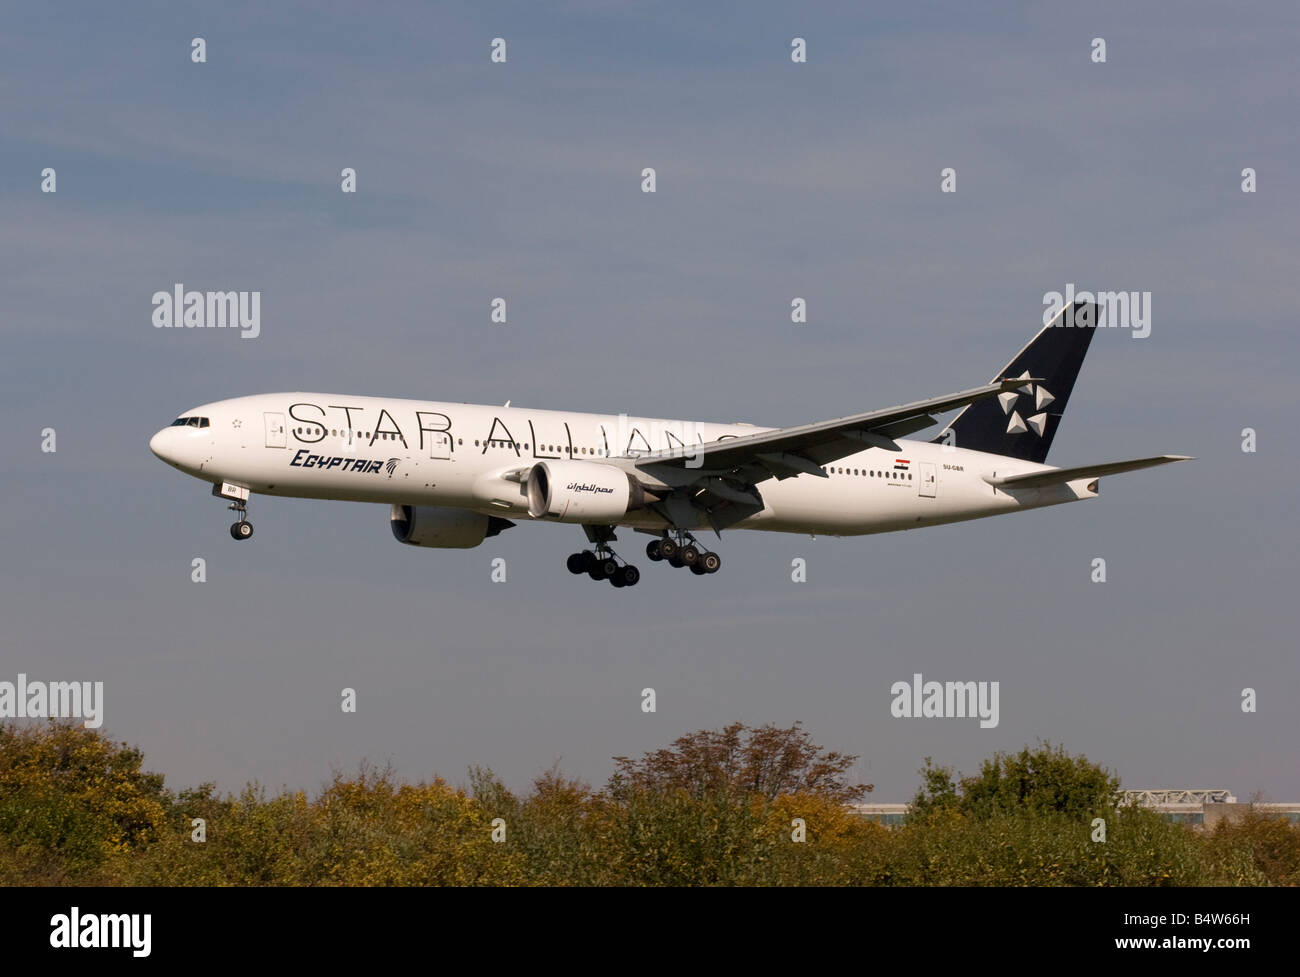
652	550
603	563
689	555
698	570
241	530
710	562
667	549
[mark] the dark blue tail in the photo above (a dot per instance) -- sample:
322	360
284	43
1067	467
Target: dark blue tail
1022	423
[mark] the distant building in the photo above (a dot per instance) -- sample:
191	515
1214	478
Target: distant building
1198	807
890	815
1182	806
1204	808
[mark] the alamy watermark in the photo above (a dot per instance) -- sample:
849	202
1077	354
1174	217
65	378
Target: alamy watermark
179	309
1122	310
946	700
53	700
76	930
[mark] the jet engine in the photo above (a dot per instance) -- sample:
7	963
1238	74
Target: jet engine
428	525
582	491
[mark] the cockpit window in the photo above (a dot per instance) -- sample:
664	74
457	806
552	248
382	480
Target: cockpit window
190	422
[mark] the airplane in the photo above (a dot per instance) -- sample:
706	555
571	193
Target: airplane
454	475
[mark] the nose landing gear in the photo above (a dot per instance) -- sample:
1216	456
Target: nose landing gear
242	529
238	496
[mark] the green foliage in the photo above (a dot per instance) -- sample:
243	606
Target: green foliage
69	799
1041	849
1268	845
936	793
1042	781
719	808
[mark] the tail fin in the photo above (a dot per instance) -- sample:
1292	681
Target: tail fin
1022	423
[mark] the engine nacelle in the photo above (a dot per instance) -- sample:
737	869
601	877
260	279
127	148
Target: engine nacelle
582	491
429	525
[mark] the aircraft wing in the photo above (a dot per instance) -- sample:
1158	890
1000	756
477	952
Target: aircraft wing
1058	476
789	451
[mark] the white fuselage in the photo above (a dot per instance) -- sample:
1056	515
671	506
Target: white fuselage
367	449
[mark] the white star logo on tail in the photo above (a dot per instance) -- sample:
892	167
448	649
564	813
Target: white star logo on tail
1037	422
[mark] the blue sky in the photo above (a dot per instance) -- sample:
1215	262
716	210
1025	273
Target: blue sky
774	180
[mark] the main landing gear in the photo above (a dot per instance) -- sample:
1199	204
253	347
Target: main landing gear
603	563
677	547
242	529
683	551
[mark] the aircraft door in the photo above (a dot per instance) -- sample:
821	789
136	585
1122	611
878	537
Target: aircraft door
439	445
275	433
929	480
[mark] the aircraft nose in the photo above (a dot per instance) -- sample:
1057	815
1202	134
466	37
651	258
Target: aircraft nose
159	444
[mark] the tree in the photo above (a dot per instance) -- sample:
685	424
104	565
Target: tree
739	761
937	791
1038	781
70	797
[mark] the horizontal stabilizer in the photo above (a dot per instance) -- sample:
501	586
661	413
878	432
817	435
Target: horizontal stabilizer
1058	476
